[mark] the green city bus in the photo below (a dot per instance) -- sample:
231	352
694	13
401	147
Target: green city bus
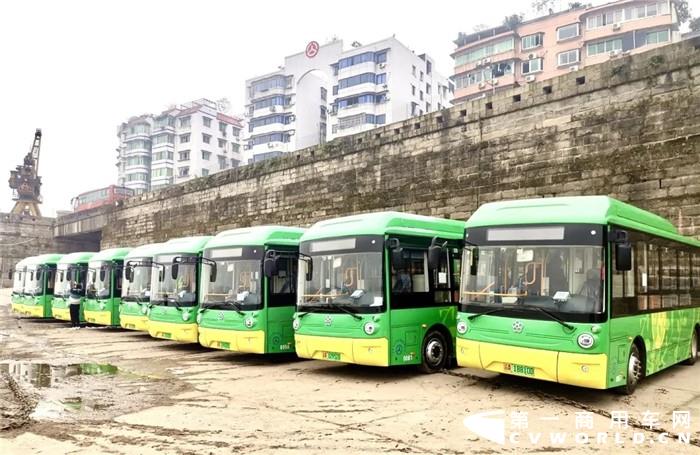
39	280
104	287
587	291
18	285
241	309
379	289
136	287
174	289
71	277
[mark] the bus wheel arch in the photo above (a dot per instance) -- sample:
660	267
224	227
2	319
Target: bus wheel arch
694	346
636	366
436	349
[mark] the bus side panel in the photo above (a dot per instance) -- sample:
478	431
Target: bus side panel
280	334
408	328
623	330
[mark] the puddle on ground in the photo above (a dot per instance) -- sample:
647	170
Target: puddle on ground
42	375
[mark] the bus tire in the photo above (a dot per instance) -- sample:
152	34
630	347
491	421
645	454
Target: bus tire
435	352
693	349
635	371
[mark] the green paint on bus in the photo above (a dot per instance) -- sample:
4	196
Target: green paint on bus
104	287
71	278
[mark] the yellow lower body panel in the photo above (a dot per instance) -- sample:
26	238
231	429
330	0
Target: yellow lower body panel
134	322
585	370
30	310
362	351
16	307
187	333
252	341
61	313
98	317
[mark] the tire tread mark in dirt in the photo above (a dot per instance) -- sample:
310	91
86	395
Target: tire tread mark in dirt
25	402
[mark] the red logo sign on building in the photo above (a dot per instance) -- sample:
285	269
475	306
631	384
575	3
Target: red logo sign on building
312	49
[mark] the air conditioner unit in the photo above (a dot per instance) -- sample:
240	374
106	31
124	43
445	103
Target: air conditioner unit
617	26
482	85
486	61
382	65
531	56
480	62
530	78
573	68
387	99
385	86
615	53
273	109
270	145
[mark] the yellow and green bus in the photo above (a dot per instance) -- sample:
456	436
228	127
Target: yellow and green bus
40	274
136	287
587	291
379	289
241	308
71	276
18	285
175	289
104	287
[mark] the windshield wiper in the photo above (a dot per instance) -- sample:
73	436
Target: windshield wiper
175	301
310	309
235	305
552	316
346	310
494	310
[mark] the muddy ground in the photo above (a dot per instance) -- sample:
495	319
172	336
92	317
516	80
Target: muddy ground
101	390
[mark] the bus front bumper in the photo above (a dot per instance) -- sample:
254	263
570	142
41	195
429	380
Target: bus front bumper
30	310
132	322
584	370
250	341
61	313
98	317
186	333
362	351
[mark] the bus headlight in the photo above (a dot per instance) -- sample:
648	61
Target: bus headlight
369	328
296	324
249	322
585	340
461	327
185	316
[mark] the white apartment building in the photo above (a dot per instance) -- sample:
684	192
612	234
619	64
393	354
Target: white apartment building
183	142
327	92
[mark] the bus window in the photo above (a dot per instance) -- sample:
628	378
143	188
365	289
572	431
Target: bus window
411	277
441	280
669	281
117	269
283	285
640	267
695	281
653	274
456	269
684	278
50	279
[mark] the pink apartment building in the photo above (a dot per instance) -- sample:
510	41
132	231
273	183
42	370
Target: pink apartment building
551	45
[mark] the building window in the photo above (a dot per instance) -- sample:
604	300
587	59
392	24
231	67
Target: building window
222	143
413	70
278	100
163	139
626	14
427	89
266	138
223	162
604	46
532	66
324	94
183	171
659	36
368	98
335	90
420	95
162	172
205	172
184	155
205	155
278	81
421	76
184	138
531	41
206	138
380	119
185	122
163	156
428	67
567	32
568	57
359	119
498	47
235	148
206	121
486	74
376	57
413	90
222	128
428	106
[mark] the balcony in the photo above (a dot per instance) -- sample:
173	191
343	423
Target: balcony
473	90
503	56
267	92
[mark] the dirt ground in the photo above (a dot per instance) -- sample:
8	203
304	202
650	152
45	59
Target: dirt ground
101	390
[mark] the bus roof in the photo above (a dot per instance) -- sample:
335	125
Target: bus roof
183	245
77	258
110	254
23	263
381	223
49	258
144	251
575	209
257	235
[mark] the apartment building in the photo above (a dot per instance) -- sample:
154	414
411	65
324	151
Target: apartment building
555	44
328	91
183	142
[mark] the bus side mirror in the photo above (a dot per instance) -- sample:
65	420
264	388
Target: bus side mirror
129	273
435	253
397	260
623	256
174	270
212	274
271	263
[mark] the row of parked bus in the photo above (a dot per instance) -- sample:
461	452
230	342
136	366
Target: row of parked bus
587	291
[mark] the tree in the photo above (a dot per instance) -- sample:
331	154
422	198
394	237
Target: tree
576	5
694	24
683	10
512	21
538	6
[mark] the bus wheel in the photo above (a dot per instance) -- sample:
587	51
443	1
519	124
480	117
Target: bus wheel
435	355
635	369
693	349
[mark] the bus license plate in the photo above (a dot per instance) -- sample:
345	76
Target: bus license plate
331	355
519	369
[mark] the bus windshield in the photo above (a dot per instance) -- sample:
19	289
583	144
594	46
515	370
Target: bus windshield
342	279
32	281
561	278
62	286
98	281
18	283
238	283
139	288
181	291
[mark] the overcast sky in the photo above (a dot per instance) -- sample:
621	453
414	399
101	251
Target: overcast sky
78	69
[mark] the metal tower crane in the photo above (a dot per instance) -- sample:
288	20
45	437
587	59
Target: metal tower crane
26	183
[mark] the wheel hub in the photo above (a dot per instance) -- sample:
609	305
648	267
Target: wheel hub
434	352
